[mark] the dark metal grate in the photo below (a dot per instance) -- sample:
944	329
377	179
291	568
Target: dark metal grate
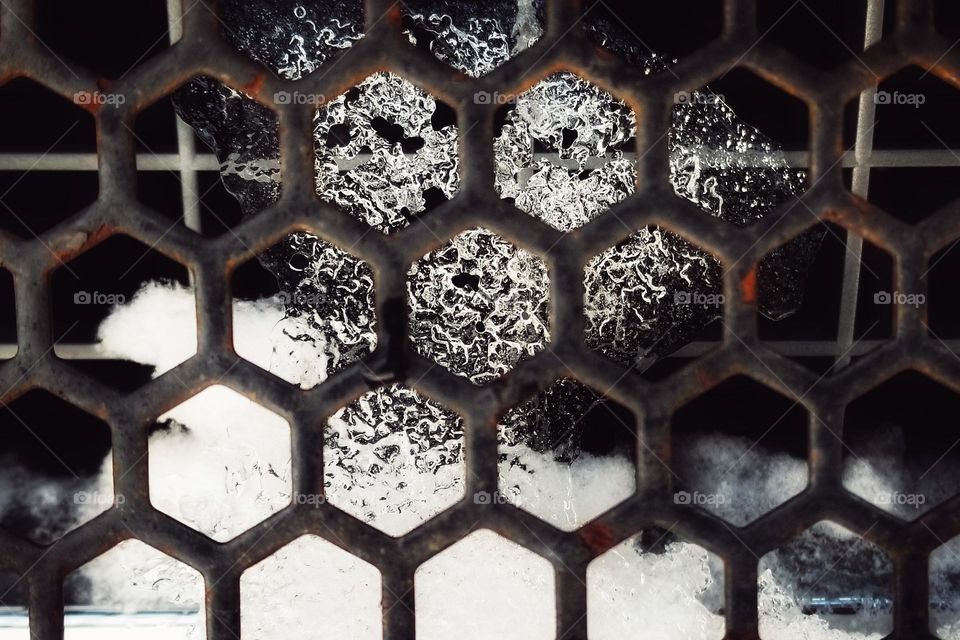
212	261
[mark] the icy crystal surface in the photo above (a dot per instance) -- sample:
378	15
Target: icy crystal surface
384	153
474	37
478	305
394	459
327	295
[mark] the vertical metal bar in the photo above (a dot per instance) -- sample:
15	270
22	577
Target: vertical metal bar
863	147
185	148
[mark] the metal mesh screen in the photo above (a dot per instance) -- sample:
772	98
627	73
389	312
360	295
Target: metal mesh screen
212	261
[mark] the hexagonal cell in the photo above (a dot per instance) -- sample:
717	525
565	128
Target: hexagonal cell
832	311
475	38
650	295
913	173
736	146
478	305
8	316
393	459
827	582
943	279
822	33
739	450
900	459
311	320
244	138
655	585
565	151
386	152
487	587
134	590
656	36
123	312
220	463
38	189
311	579
234	168
300	37
92	36
944	607
57	464
567	454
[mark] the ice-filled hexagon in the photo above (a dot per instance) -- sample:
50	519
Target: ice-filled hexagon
311	579
144	592
394	459
648	295
475	37
485	586
478	305
560	155
655	585
827	582
386	151
322	318
221	463
566	455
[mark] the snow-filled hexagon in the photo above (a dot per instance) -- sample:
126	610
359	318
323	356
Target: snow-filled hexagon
145	592
739	450
311	579
560	154
320	320
386	151
478	305
57	467
900	447
220	463
565	455
394	459
485	586
827	582
655	585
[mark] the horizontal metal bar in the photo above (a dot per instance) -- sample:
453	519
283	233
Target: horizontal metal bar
208	162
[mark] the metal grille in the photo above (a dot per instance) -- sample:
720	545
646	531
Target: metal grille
212	261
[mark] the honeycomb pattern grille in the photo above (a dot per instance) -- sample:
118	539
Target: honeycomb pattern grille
202	51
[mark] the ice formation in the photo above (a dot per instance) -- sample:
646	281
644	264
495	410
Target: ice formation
638	574
478	305
393	458
386	153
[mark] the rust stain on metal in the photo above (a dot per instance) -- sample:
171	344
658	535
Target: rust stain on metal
598	536
748	287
